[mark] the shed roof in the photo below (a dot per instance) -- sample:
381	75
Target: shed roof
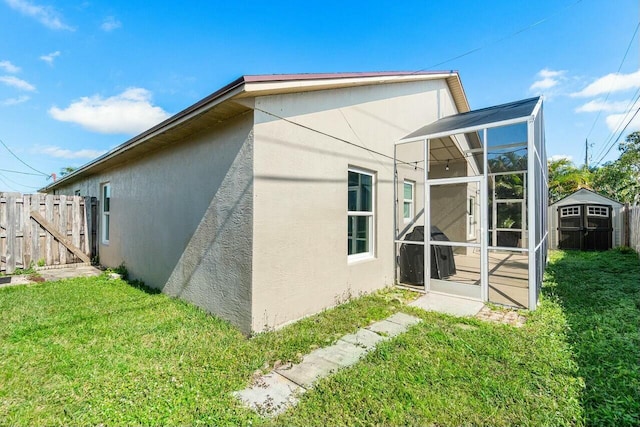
584	195
226	102
473	120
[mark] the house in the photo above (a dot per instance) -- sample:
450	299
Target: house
586	220
273	198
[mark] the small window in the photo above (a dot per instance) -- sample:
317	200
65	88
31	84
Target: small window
106	211
602	211
360	217
76	193
569	211
408	197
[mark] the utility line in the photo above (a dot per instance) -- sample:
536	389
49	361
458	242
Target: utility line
508	36
22	161
632	102
8	186
611	86
621	132
20	172
17	183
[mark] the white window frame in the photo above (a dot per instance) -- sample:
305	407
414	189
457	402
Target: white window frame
370	254
105	223
410	201
566	211
471	217
601	211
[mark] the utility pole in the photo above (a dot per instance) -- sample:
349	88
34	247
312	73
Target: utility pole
586	153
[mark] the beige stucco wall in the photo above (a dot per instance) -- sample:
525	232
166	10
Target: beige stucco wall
181	218
300	263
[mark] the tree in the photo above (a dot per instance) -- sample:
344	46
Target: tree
66	170
565	178
620	179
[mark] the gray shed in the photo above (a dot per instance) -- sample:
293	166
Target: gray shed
585	220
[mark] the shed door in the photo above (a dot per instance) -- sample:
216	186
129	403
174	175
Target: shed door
585	227
598	228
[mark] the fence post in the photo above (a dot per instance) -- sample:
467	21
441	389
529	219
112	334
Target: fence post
11	234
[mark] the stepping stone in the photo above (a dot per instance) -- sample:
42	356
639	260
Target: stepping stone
363	338
403	319
311	369
341	353
271	394
387	328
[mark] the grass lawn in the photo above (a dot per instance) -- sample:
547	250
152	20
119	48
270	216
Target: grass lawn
599	294
99	351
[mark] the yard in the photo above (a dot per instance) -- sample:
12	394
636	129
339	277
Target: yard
100	351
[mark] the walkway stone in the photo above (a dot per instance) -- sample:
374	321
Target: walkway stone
274	392
506	316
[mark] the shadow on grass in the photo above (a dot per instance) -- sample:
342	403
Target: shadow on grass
600	296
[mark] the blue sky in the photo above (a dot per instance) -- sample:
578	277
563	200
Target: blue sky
80	77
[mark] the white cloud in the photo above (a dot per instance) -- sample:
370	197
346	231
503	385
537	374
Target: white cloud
615	122
557	157
614	82
46	15
69	154
130	112
50	57
8	67
547	79
17	83
600	105
110	23
14	101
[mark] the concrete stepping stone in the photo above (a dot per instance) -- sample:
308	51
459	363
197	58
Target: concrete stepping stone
364	338
271	394
274	392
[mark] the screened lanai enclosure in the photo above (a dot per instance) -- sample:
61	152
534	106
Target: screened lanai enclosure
471	198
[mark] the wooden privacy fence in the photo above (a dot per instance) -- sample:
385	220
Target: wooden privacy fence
632	227
44	229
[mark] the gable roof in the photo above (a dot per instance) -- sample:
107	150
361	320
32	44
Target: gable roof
566	200
473	120
220	106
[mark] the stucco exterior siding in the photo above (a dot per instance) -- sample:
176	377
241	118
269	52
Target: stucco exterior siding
181	218
300	262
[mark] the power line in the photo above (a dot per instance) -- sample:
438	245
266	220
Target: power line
22	161
508	36
611	86
20	172
8	186
632	102
621	132
17	183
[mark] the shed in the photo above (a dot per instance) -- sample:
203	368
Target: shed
586	220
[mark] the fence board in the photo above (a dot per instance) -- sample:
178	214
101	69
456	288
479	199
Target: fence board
634	227
43	228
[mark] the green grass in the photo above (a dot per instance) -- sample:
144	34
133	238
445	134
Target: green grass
600	296
99	351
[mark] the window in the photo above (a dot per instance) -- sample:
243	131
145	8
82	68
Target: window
360	215
106	208
76	193
570	211
471	217
408	201
598	211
